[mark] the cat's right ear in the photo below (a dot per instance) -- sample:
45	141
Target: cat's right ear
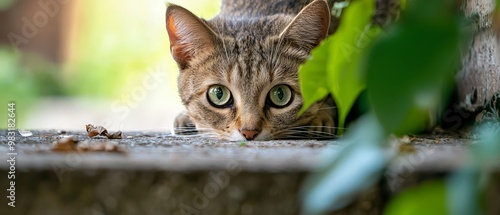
310	26
188	35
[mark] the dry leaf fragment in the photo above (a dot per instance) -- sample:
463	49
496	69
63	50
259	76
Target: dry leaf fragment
83	146
95	130
93	133
116	135
65	145
407	148
100	146
405	139
113	147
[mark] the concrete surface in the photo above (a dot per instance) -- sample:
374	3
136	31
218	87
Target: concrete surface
164	174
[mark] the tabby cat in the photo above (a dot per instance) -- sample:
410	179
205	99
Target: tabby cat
239	71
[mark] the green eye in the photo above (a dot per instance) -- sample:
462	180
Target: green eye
219	96
280	96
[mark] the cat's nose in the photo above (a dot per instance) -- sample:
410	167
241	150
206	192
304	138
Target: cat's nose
249	134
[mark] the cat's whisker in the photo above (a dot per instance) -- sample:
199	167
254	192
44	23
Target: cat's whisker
315	126
183	128
204	135
192	127
194	132
306	134
291	136
310	128
311	133
314	133
294	136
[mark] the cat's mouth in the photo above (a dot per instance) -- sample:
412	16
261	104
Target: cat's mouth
237	135
301	132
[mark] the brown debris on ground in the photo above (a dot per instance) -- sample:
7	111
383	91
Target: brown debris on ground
116	135
65	145
108	146
71	144
93	131
405	145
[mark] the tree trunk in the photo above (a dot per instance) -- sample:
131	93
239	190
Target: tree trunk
478	80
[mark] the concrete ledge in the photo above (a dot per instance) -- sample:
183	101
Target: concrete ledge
163	174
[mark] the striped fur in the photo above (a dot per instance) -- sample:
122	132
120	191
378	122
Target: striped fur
250	47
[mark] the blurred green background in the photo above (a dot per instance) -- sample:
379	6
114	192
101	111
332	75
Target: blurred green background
69	63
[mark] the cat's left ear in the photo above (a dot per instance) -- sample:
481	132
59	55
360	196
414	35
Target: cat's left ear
189	35
310	26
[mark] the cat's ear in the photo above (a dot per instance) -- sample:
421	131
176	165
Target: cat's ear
310	26
189	35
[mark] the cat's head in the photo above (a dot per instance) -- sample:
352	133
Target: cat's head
239	75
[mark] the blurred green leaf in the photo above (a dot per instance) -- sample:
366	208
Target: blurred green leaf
350	171
403	4
487	151
462	191
410	68
427	198
464	185
335	64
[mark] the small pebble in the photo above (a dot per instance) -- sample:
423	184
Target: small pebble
25	133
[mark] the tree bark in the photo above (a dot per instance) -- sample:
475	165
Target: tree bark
478	79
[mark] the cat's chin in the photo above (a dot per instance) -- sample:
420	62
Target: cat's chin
237	136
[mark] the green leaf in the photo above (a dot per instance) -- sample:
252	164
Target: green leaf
313	84
427	198
335	65
403	4
410	68
464	185
487	151
463	191
349	171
